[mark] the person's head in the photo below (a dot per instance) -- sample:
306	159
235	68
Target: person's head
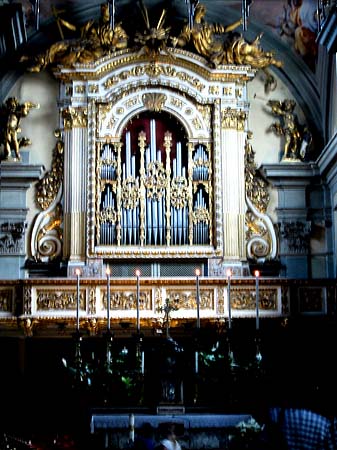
170	431
146	430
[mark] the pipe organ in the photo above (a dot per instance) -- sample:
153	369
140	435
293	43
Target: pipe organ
154	190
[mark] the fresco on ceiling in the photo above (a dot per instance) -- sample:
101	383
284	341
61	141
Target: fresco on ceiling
293	21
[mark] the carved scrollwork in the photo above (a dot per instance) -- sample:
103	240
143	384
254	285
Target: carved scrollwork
245	299
47	235
48	187
260	234
108	214
156	180
179	192
154	101
201	215
187	300
130	193
60	300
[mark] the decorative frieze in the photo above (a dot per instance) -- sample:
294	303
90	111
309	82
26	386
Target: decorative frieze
12	238
74	118
6	300
295	236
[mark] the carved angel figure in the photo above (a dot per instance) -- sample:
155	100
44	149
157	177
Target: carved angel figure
220	46
203	35
11	113
296	137
96	40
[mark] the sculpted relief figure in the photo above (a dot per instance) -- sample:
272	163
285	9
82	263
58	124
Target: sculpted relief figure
296	137
96	40
203	35
11	113
220	46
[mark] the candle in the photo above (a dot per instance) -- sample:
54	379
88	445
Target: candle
108	296
132	427
137	299
229	273
196	362
143	362
197	273
78	272
257	274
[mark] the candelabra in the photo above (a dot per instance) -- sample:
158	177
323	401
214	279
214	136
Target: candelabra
78	370
167	309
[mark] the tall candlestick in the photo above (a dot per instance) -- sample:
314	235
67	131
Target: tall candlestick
137	299
78	272
257	274
108	297
229	274
197	273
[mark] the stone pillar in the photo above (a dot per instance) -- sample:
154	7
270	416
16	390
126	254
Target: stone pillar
233	184
292	182
15	180
75	184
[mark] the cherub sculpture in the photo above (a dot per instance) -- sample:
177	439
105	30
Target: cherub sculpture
11	113
296	137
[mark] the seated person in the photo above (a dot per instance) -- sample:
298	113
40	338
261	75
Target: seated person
144	439
169	441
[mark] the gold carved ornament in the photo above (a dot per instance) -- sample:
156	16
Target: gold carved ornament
204	37
297	138
154	101
179	192
242	299
47	234
48	187
11	114
260	232
154	39
256	186
130	193
74	118
233	119
156	180
96	40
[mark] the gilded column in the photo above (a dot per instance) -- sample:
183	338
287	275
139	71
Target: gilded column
233	183
75	183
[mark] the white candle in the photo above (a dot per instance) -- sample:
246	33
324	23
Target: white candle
229	274
257	274
108	297
137	299
132	427
78	272
196	362
143	362
197	273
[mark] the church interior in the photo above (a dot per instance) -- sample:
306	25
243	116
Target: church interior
168	219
